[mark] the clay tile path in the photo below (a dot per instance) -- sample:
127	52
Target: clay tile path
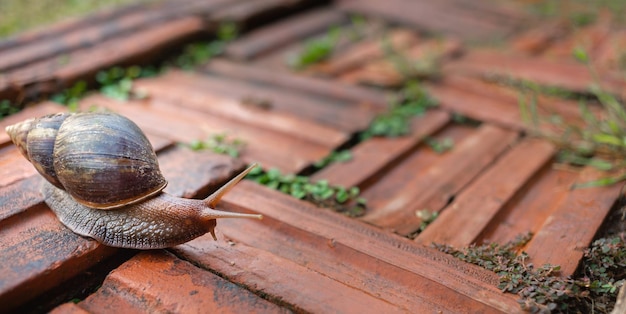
494	183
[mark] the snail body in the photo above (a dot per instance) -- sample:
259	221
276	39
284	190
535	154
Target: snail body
102	180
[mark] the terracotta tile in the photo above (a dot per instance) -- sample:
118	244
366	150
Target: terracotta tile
383	188
157	281
282	32
88	35
391	249
20	196
35	78
610	54
572	226
68	308
589	38
314	86
39	253
235	109
485	101
49	75
64	26
461	222
569	75
349	117
137	47
445	17
371	157
362	52
298	287
8	90
538	38
337	261
13	166
384	72
433	188
528	210
280	59
246	12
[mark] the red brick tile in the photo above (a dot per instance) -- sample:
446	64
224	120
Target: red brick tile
217	105
394	250
280	60
67	25
246	12
348	117
68	308
13	166
528	210
374	155
315	86
485	101
88	35
445	17
365	51
571	227
137	47
299	287
384	72
330	259
435	186
20	196
569	75
43	254
539	38
282	32
159	282
461	222
609	56
588	38
386	185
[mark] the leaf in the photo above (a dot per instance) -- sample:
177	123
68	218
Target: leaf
600	182
607	139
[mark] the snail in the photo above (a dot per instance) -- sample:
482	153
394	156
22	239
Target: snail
102	180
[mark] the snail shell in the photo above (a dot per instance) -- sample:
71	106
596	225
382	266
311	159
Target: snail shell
103	160
103	181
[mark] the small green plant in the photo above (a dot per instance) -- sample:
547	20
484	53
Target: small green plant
319	49
423	68
601	140
71	96
427	218
414	101
117	82
316	50
542	289
198	53
321	193
220	144
335	156
7	108
440	146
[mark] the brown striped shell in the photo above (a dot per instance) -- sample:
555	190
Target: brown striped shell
103	160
